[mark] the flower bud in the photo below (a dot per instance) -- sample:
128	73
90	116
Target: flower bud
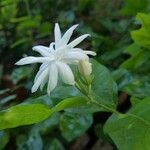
85	68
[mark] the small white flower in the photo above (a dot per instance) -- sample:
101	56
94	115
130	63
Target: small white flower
55	59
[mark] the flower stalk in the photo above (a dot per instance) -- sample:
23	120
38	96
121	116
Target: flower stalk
84	86
89	95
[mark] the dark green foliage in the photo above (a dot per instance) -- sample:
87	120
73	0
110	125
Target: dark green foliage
120	35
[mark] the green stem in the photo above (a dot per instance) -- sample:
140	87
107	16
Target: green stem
88	94
91	99
105	107
118	113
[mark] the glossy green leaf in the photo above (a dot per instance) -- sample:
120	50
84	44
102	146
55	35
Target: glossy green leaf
142	35
34	139
47	125
33	113
33	142
87	108
139	50
63	92
74	125
23	115
131	132
137	60
104	87
69	102
132	49
122	77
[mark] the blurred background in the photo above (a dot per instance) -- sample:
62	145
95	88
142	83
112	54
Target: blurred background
25	23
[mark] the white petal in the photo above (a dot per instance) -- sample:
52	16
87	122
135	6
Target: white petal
90	53
40	80
43	50
45	80
51	46
84	51
77	49
57	33
30	60
72	56
78	40
66	37
65	73
41	69
60	52
53	77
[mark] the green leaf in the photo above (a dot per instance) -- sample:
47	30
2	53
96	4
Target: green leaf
7	99
137	60
132	49
73	125
20	73
132	130
132	7
103	86
33	113
139	51
139	87
68	103
4	139
87	108
63	92
134	100
23	115
56	145
21	141
33	142
122	77
47	125
142	35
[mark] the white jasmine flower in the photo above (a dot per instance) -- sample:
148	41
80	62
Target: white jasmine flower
55	59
